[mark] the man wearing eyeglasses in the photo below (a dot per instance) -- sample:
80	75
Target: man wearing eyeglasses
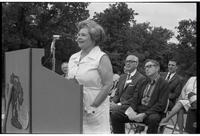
151	102
126	85
174	81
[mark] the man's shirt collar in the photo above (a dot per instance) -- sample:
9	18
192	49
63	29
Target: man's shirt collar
133	73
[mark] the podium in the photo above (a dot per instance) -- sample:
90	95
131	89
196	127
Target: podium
41	101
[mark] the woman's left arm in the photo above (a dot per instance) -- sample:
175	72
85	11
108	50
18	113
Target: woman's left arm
106	74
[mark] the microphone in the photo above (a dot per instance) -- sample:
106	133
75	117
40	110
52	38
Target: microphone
55	37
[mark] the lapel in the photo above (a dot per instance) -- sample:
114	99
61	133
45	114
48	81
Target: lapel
165	75
156	87
91	55
134	80
141	91
75	58
172	79
124	87
122	82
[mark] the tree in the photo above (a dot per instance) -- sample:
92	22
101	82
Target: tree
125	36
157	45
32	24
50	18
186	51
116	20
187	33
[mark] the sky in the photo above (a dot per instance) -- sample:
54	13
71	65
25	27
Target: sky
166	15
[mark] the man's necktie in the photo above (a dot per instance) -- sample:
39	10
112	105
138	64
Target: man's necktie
147	89
147	93
168	77
128	77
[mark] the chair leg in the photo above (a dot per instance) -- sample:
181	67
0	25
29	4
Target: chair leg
132	127
135	127
139	129
129	130
161	129
174	127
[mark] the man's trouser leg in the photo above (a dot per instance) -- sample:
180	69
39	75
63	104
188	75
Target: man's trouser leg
152	122
118	120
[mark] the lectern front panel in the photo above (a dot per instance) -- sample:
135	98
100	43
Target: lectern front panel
41	101
56	101
17	75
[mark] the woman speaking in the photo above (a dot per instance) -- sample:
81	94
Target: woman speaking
92	68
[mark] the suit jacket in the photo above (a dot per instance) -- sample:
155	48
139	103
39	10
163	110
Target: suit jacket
124	95
159	97
175	86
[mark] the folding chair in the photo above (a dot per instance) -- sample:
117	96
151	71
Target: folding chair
174	123
171	127
134	126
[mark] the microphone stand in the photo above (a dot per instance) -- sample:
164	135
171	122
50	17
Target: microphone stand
53	49
54	59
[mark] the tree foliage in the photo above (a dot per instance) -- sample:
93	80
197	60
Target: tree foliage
186	50
187	33
50	18
26	25
125	36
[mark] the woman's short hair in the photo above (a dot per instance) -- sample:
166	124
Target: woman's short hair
96	31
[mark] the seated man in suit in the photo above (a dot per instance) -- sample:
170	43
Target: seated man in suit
149	105
126	85
175	82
